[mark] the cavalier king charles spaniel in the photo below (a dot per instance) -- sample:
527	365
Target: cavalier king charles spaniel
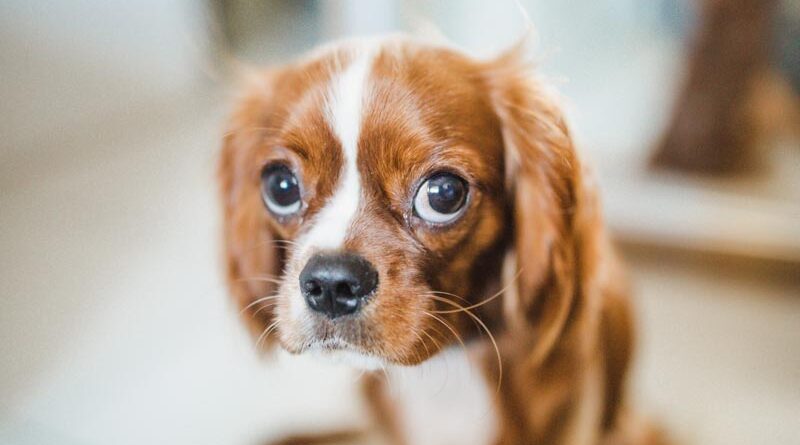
400	206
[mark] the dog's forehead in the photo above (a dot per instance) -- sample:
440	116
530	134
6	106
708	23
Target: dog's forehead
388	95
385	100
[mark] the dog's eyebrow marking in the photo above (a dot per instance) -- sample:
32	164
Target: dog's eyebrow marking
343	110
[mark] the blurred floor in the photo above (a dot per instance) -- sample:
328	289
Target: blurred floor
115	327
719	358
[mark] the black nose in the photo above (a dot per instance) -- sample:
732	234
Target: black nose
337	284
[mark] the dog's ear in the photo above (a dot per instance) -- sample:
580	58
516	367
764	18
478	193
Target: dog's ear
548	206
252	258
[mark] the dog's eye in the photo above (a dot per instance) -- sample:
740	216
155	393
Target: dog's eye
440	198
280	190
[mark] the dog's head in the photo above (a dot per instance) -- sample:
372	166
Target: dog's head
373	191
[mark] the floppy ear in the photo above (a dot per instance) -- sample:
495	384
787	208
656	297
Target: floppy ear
252	257
551	213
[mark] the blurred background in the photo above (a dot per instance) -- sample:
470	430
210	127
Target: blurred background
114	323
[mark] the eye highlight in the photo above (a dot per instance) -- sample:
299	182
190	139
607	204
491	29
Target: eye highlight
280	190
440	198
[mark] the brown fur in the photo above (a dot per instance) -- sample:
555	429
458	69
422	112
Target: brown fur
532	229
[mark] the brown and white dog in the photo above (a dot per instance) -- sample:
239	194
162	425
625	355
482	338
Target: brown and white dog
391	203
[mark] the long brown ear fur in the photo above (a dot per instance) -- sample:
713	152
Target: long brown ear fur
555	219
252	257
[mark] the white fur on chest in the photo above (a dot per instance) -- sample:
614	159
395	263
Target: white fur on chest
444	401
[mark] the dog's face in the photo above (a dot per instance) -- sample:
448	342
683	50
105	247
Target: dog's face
367	200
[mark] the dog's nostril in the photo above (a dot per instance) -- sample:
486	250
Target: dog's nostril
344	290
313	288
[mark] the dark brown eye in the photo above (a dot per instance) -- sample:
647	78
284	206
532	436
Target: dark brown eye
280	190
440	198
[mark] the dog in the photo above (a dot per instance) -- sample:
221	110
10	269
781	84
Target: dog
398	205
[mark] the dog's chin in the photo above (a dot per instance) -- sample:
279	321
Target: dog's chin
341	353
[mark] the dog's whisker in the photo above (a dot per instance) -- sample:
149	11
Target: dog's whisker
447	363
264	279
422	342
453	303
257	301
388	378
488	334
447	325
484	301
433	340
435	292
444	357
266	333
270	305
417	356
459	307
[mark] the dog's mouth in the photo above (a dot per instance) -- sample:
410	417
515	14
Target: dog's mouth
331	344
339	351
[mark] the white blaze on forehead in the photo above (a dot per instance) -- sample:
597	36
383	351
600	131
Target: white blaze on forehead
344	105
